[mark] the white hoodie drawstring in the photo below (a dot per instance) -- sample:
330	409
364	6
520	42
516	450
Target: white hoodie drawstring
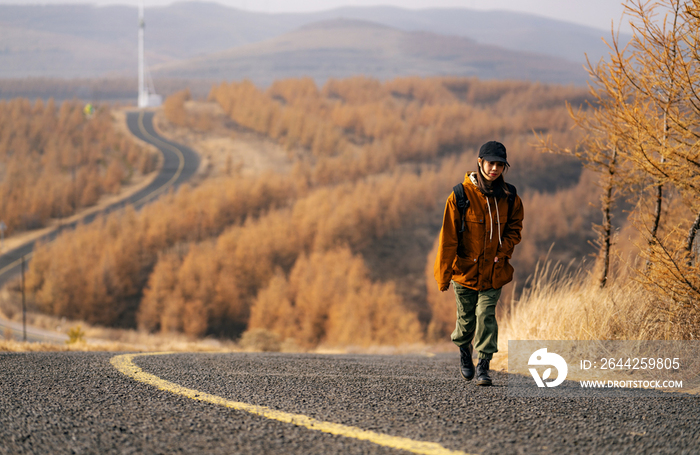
490	219
472	177
498	219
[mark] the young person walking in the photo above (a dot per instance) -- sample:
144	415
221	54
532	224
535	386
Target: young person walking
474	252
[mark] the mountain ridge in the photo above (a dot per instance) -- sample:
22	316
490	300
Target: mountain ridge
77	37
340	48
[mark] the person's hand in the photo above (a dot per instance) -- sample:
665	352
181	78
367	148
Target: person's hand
495	259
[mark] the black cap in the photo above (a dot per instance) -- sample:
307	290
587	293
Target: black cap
493	151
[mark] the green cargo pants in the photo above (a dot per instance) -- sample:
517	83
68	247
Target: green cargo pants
476	319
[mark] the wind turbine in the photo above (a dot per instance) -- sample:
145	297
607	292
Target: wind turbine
147	95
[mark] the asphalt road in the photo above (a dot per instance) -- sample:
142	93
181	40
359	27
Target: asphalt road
80	403
179	164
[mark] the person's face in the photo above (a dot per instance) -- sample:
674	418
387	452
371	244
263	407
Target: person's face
491	170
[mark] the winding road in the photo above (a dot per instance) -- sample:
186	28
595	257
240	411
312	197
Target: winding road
250	403
179	164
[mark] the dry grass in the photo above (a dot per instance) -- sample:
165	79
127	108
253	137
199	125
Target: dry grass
111	346
131	340
93	338
96	338
565	304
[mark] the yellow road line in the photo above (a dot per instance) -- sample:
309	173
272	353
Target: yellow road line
124	363
177	151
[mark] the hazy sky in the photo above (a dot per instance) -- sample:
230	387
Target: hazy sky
595	13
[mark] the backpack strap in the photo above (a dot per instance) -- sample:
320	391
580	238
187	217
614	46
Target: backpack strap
462	203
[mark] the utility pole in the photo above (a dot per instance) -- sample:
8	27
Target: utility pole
24	307
3	227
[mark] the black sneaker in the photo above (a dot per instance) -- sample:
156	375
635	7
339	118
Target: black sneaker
482	373
466	366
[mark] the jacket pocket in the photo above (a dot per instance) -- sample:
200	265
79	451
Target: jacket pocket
502	273
466	270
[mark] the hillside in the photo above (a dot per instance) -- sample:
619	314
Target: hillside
34	52
343	48
338	235
86	41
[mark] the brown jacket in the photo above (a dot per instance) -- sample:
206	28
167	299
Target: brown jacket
474	265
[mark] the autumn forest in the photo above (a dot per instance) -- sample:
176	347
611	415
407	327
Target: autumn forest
335	251
55	160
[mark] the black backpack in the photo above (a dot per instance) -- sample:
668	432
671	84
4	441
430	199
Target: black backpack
463	202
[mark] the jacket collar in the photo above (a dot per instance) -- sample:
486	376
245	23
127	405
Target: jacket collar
472	178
